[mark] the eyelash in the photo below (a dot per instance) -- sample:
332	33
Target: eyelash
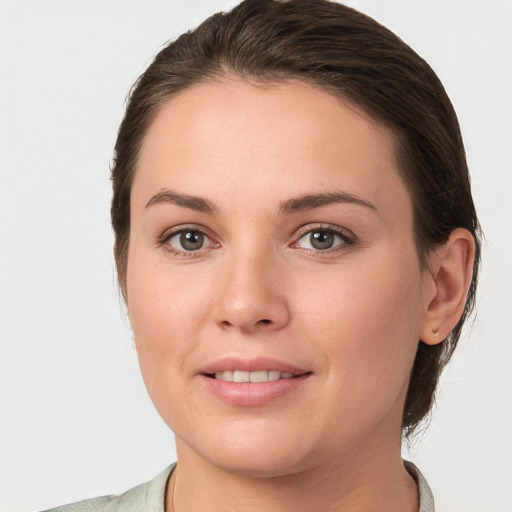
346	239
180	230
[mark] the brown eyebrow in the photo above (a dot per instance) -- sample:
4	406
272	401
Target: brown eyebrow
296	204
185	201
311	201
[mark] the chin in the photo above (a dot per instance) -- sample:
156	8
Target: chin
260	465
254	453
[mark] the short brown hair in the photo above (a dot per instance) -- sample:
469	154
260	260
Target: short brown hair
354	57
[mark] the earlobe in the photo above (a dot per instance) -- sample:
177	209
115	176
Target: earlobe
451	268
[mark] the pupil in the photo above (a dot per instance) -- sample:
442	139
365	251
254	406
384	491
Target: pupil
191	240
322	240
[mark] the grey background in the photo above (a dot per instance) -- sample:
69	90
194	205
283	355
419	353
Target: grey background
75	419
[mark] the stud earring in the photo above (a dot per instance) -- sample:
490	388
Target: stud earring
435	332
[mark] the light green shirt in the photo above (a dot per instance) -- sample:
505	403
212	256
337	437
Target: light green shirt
150	497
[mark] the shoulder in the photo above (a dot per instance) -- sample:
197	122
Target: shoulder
426	497
149	496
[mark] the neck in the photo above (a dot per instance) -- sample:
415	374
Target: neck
371	481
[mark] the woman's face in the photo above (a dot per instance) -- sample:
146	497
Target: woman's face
272	238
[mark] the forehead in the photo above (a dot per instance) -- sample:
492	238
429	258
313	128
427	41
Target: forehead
235	136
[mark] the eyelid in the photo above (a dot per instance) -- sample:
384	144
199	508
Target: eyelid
170	233
349	238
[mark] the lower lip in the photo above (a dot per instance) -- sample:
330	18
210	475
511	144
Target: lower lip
252	394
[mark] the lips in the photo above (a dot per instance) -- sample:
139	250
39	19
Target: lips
258	376
254	365
252	382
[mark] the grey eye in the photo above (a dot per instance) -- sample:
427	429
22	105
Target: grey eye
321	239
191	240
187	240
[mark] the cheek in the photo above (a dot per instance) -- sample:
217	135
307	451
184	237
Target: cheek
167	312
366	322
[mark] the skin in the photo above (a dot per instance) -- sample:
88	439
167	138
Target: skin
350	315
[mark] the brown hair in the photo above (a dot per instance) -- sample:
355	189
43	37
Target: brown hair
352	56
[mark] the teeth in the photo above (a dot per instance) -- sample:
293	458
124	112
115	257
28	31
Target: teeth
260	376
240	376
273	375
225	376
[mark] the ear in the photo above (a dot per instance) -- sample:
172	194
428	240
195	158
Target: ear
451	271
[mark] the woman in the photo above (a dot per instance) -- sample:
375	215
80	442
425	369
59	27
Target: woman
297	247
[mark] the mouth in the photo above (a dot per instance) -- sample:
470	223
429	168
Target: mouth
252	382
256	377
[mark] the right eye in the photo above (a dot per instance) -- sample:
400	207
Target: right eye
188	241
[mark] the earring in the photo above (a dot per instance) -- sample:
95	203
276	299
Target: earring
435	332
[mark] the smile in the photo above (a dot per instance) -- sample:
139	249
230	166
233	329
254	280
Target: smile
258	376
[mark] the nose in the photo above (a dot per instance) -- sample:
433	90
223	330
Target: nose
251	295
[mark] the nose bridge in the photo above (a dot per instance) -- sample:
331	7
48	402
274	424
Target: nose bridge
251	295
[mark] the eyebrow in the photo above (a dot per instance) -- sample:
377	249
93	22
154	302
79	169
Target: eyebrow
185	201
311	201
293	205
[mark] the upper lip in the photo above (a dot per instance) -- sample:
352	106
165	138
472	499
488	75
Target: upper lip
251	365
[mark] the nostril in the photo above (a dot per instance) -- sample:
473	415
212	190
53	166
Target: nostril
265	321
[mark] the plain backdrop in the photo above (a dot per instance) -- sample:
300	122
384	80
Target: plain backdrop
75	419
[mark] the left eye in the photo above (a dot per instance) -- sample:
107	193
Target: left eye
321	240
